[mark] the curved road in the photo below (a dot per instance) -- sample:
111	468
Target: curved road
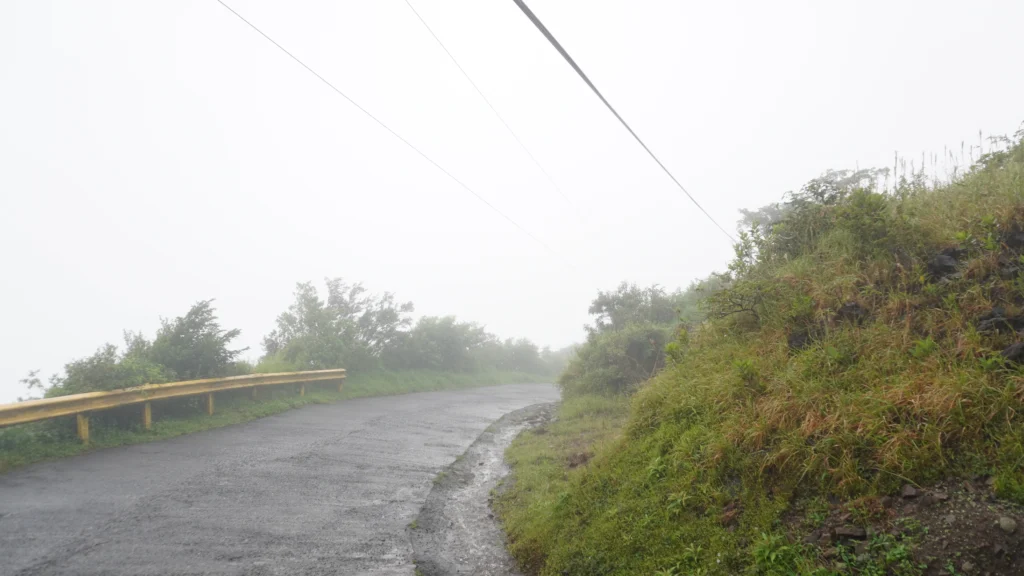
323	489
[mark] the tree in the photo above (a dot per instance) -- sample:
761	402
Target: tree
350	329
522	355
630	304
616	362
33	384
192	346
108	369
442	344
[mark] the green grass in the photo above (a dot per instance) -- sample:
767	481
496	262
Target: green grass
741	430
28	443
546	460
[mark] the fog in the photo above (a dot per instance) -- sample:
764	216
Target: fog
157	154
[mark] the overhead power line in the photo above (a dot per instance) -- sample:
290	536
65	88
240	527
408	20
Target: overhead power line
397	135
547	34
489	104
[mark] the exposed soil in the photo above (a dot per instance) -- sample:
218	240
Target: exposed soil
456	532
954	528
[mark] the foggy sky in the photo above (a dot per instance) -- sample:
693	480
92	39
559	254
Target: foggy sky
153	154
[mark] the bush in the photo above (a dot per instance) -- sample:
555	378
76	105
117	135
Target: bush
616	361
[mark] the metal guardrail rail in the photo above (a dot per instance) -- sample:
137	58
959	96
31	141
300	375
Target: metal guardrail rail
81	405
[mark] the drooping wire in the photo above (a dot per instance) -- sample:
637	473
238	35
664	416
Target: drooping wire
399	136
547	34
489	104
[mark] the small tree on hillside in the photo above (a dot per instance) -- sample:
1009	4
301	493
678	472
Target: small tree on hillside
194	345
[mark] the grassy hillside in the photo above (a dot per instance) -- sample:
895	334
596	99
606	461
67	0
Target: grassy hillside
858	370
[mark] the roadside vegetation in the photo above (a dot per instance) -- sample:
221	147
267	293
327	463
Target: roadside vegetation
851	403
28	443
373	337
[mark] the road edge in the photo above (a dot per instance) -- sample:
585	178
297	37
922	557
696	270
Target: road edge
452	536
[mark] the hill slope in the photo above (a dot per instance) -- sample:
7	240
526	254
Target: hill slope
852	405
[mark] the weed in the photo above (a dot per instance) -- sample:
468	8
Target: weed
924	348
773	556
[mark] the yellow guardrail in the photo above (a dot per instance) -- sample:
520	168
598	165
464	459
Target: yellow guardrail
81	405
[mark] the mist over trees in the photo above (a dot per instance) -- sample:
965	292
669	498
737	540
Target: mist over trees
346	327
357	330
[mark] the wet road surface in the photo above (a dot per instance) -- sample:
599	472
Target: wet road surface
326	489
456	533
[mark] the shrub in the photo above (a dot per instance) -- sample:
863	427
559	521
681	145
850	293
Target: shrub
617	361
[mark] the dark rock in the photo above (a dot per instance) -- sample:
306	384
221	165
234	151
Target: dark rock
828	553
1014	353
1009	272
851	312
908	491
944	264
826	540
1014	239
949	519
997	320
928	499
885	501
967	566
995	312
813	537
799	339
940	496
852	532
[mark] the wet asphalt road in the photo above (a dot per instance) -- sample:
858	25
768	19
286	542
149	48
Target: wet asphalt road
324	489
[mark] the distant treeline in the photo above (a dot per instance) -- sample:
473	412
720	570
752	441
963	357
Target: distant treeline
351	328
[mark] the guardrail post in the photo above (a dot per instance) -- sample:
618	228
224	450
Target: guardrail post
209	404
83	427
341	384
302	389
147	416
255	393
